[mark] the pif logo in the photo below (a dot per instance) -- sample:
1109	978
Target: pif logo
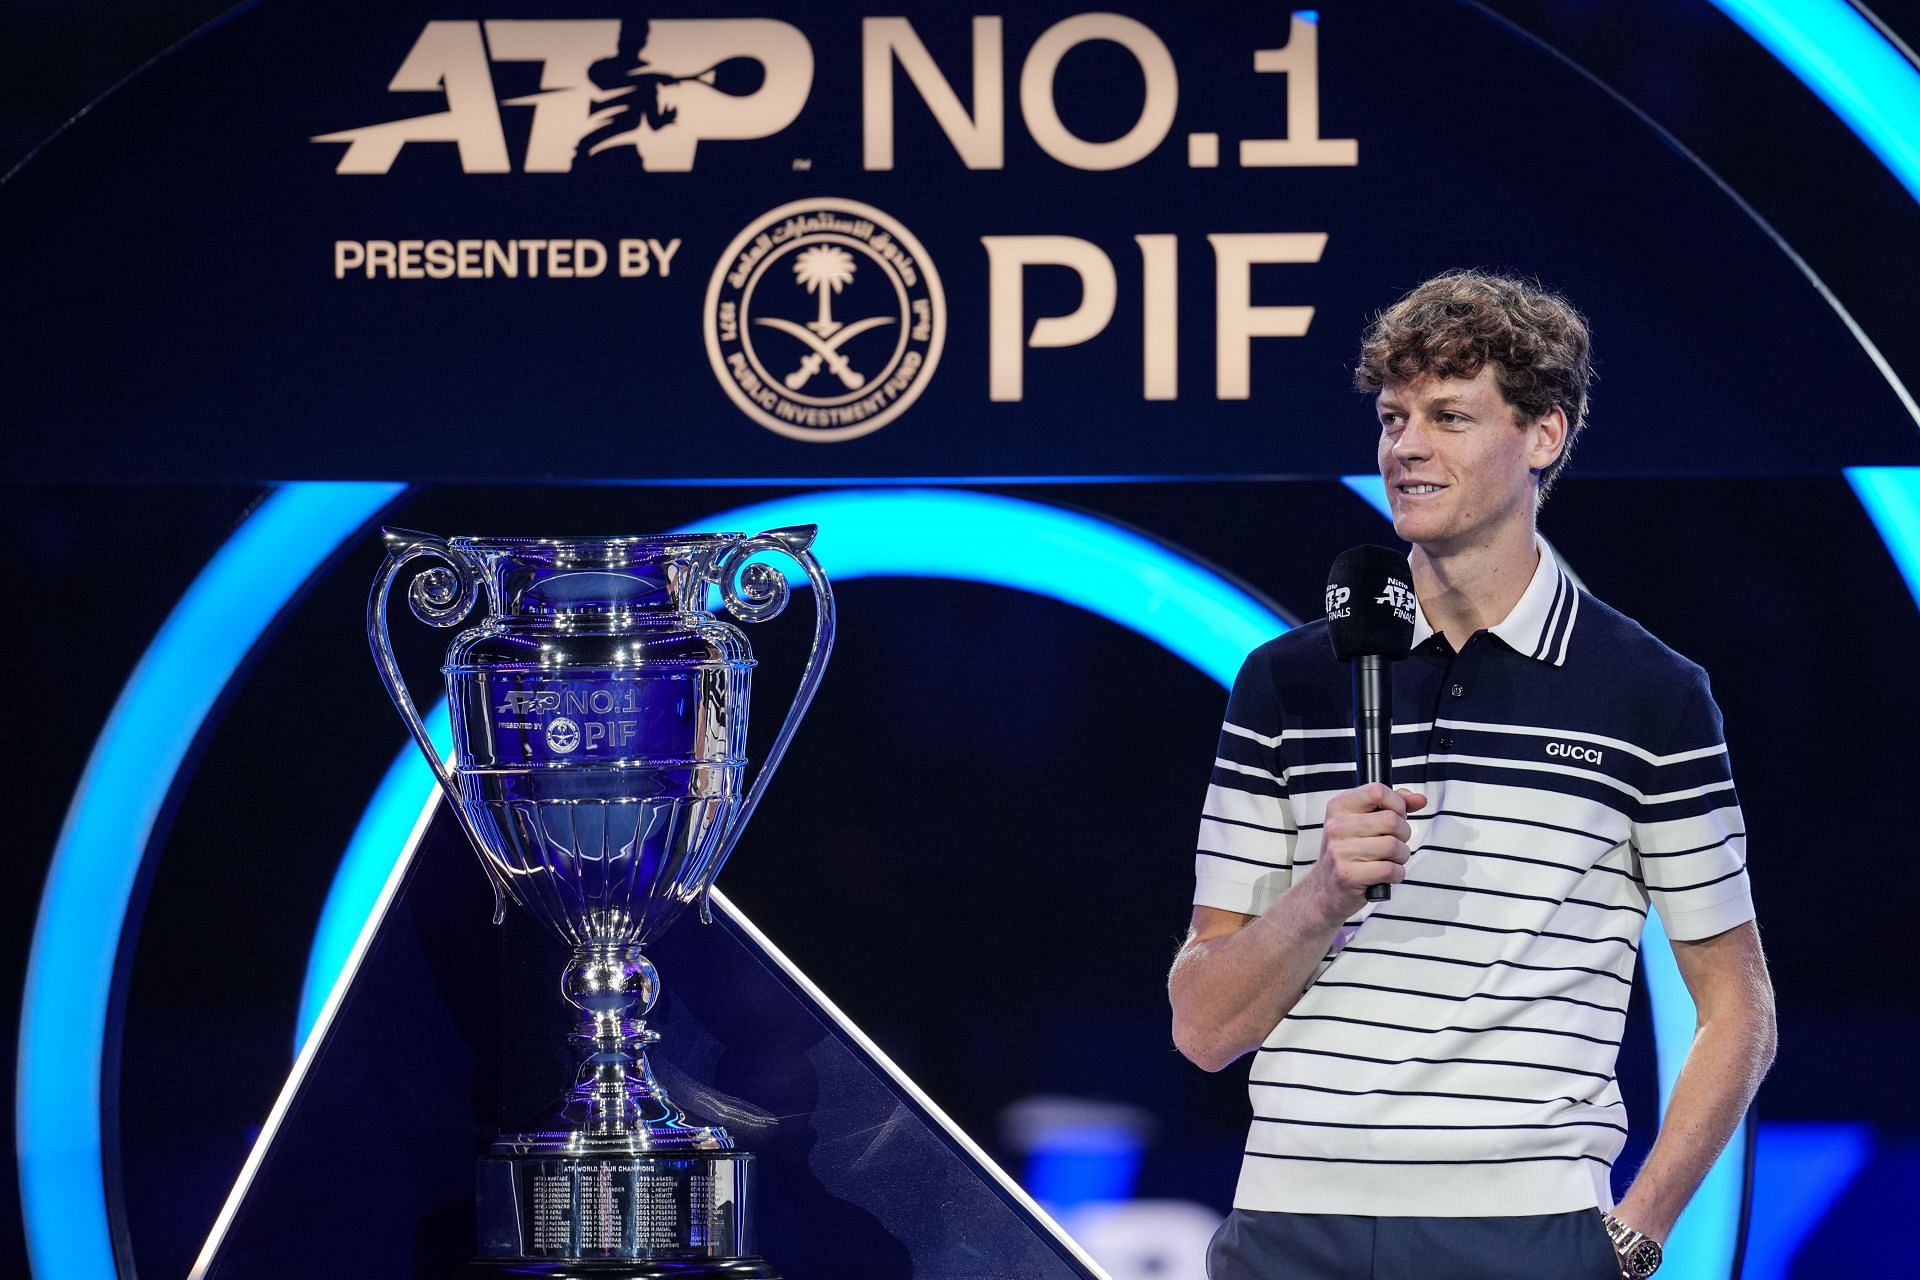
825	319
563	735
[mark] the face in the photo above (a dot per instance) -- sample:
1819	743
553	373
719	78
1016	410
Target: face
1459	462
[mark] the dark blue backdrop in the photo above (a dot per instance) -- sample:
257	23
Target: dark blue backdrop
178	338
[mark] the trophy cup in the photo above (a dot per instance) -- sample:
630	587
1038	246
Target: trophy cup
600	729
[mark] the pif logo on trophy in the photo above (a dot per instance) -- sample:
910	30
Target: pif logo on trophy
825	320
563	735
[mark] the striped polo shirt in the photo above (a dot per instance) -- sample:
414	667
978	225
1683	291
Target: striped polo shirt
1454	1055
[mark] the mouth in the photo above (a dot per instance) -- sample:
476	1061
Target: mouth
1409	490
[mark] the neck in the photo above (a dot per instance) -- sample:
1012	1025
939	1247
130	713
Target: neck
1464	590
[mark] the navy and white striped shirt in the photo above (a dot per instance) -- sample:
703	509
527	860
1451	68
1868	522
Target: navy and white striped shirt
1454	1055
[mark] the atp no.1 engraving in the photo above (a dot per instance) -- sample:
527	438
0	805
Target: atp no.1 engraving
534	719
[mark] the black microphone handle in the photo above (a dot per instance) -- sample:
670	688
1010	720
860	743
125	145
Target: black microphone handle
1373	733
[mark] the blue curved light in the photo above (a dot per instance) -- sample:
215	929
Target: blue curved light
1851	65
1891	496
1188	608
1801	1169
97	859
1372	490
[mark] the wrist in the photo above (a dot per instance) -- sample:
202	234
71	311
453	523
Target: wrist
1638	1252
1329	904
1644	1213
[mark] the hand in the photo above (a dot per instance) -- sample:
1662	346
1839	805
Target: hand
1364	842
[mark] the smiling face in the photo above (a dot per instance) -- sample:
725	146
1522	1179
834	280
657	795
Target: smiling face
1459	463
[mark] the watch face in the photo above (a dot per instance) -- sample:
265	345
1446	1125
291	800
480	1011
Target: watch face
1644	1259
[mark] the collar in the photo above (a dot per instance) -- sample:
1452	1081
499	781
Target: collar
1541	622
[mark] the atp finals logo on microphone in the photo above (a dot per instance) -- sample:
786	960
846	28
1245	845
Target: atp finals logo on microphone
1399	597
824	319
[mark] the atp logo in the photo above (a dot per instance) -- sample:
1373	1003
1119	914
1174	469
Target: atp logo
654	90
1337	598
1399	597
824	320
521	702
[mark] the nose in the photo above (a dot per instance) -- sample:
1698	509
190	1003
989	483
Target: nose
1412	442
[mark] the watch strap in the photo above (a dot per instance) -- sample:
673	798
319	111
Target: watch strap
1639	1253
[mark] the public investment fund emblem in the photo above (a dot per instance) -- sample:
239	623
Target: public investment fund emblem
563	735
825	319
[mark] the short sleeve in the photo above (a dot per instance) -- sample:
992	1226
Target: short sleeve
1688	833
1244	856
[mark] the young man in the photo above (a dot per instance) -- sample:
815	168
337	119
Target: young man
1432	1081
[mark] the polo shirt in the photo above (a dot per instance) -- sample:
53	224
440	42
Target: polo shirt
1454	1053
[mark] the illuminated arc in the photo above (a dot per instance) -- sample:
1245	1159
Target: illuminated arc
96	861
1855	66
1891	496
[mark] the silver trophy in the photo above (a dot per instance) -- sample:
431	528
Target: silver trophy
600	729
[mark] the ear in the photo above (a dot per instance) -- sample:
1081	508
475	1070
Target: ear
1549	435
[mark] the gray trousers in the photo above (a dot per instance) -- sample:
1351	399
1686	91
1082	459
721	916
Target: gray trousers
1326	1246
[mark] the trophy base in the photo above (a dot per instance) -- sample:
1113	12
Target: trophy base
617	1216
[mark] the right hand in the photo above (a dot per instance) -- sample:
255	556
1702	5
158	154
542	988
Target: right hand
1364	842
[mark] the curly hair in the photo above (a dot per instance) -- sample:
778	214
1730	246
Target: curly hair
1455	324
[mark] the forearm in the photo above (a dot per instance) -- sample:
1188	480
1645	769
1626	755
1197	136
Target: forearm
1229	992
1724	1066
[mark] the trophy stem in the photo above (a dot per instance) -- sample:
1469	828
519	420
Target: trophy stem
621	1185
616	1100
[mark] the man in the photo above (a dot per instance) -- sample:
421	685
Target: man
1432	1085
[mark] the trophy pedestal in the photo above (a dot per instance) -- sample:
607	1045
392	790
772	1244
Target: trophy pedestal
740	1268
618	1217
367	1167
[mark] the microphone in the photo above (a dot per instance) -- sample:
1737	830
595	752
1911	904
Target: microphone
1370	612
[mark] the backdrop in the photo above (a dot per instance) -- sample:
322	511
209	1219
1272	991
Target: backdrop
567	267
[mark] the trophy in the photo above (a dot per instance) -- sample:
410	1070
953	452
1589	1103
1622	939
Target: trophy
600	729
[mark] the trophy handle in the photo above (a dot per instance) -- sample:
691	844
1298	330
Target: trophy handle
754	593
439	597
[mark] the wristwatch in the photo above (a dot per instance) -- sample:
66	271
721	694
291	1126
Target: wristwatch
1638	1252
